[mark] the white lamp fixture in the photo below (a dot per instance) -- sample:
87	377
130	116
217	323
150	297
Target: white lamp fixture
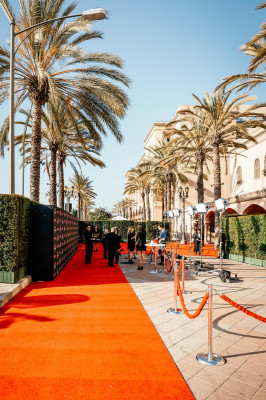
171	214
221	204
176	212
202	208
192	210
94	14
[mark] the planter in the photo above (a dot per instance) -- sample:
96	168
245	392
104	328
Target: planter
247	260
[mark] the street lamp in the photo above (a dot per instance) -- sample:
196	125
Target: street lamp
202	209
68	193
221	205
183	194
192	211
89	15
177	212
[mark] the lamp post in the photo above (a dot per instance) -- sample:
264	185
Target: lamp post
90	15
183	194
192	212
68	193
221	205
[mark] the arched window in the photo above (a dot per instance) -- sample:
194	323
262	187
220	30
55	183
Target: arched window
239	175
257	168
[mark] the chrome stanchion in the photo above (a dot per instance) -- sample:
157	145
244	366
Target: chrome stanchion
210	358
184	291
175	310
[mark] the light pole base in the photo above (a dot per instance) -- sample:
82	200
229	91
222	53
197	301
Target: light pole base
174	311
214	359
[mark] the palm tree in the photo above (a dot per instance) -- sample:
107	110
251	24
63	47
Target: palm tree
62	139
220	118
50	65
134	184
190	143
170	170
83	190
256	48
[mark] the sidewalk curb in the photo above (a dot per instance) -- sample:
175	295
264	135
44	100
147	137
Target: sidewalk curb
21	284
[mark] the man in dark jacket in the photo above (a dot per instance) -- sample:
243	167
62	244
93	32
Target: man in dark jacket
88	243
104	243
113	245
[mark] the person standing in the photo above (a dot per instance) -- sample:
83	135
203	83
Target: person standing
162	240
198	243
141	246
104	243
88	244
117	254
131	243
113	245
96	236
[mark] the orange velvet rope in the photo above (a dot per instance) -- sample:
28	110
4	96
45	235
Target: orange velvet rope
203	302
166	264
244	310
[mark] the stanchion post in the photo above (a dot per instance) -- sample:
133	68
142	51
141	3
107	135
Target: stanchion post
210	358
175	310
184	291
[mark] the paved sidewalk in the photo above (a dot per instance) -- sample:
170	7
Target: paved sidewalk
237	337
9	290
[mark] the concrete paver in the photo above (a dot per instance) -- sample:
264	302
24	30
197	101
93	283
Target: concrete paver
236	336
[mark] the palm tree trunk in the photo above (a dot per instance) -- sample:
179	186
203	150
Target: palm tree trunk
61	182
144	206
200	184
173	193
36	138
169	191
130	213
217	188
79	206
53	199
165	200
148	203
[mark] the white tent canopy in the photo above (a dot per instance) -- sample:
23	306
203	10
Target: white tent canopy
118	218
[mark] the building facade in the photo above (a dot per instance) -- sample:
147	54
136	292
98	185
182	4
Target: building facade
243	184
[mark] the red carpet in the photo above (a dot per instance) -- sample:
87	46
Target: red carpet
84	336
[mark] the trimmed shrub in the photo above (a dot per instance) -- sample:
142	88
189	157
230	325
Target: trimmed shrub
122	227
151	229
246	235
15	234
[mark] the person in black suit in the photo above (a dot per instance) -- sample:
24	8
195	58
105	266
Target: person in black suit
104	243
88	243
113	245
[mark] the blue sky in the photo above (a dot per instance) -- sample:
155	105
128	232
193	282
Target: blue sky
171	48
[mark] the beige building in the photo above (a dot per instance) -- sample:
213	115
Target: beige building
244	185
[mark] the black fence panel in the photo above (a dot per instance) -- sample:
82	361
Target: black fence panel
55	241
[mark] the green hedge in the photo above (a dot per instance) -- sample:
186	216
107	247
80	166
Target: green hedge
151	227
15	236
246	235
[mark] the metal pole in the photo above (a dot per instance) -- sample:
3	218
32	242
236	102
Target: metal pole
11	113
183	241
221	241
201	218
210	358
210	324
174	310
190	238
176	219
